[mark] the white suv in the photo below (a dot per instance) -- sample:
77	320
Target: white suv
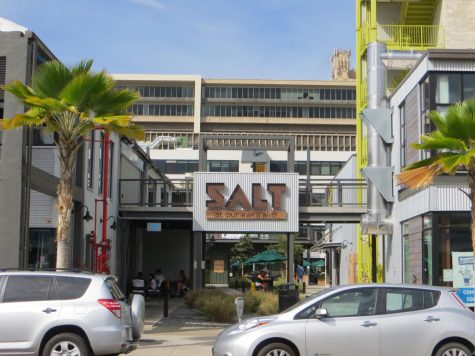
66	313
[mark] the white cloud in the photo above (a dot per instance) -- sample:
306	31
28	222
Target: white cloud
154	4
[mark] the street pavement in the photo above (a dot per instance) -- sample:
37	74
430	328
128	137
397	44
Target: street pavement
184	332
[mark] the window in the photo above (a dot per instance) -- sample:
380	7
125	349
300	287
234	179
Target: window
41	248
90	160
403	133
111	167
448	88
27	288
400	300
223	166
43	137
72	287
278	166
356	302
101	165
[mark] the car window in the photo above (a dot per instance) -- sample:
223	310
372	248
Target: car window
403	300
27	288
356	302
72	287
114	289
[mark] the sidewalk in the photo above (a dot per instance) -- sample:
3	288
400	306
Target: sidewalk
184	332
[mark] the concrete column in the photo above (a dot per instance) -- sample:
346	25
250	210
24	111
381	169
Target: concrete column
198	257
290	258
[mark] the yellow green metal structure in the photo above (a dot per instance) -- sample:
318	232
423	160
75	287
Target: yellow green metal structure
411	27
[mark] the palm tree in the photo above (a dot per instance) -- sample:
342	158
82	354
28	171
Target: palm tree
454	145
71	102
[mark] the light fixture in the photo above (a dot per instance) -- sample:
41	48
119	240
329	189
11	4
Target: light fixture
86	216
114	223
345	243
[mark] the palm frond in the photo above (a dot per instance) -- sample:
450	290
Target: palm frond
50	78
436	140
18	89
418	177
20	120
83	67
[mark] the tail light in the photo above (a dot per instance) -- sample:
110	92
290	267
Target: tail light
112	305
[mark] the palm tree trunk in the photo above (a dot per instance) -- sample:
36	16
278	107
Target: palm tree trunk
64	204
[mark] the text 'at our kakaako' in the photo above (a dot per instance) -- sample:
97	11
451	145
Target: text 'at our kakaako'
249	202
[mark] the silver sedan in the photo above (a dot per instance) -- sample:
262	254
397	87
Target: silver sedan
370	320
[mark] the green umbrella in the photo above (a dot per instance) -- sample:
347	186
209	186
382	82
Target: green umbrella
317	263
267	256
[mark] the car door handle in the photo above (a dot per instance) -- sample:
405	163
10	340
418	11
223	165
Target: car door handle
49	310
431	319
367	324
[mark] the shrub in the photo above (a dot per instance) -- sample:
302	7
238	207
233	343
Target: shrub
237	282
269	304
220	308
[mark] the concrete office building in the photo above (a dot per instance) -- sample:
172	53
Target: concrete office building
410	59
176	110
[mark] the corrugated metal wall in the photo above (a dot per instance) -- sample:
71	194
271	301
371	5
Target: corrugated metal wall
42	210
44	158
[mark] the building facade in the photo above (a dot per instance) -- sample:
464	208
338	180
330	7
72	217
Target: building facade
403	239
177	110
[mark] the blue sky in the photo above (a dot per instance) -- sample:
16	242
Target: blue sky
265	39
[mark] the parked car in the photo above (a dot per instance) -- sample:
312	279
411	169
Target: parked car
66	313
370	320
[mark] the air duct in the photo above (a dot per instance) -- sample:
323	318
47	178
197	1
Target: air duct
376	221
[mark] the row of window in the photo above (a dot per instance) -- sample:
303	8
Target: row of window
162	92
41	288
279	111
279	93
161	110
187	166
318	168
364	302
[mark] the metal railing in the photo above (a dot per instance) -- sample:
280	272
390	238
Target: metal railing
315	142
407	37
312	193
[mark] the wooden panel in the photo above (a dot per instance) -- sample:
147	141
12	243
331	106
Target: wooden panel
412	126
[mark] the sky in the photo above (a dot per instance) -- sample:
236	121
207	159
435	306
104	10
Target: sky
231	39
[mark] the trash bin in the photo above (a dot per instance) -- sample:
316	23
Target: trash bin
288	296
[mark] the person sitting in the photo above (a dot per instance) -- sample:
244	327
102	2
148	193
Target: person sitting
151	290
162	286
262	281
182	284
138	284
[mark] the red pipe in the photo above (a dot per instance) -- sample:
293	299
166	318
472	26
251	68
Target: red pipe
105	191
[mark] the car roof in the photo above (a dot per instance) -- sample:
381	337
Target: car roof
55	273
394	285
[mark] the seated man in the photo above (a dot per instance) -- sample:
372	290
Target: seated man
138	284
262	280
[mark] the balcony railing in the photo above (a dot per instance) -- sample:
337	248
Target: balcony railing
312	193
407	37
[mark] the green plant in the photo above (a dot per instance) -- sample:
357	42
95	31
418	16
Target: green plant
269	304
238	282
220	308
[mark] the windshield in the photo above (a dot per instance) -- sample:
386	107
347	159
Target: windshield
310	298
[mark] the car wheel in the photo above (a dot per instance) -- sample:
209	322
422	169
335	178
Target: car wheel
276	349
453	349
66	344
137	312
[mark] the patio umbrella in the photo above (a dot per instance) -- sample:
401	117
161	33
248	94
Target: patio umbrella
267	256
318	263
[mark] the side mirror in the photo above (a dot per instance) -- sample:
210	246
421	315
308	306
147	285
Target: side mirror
320	313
